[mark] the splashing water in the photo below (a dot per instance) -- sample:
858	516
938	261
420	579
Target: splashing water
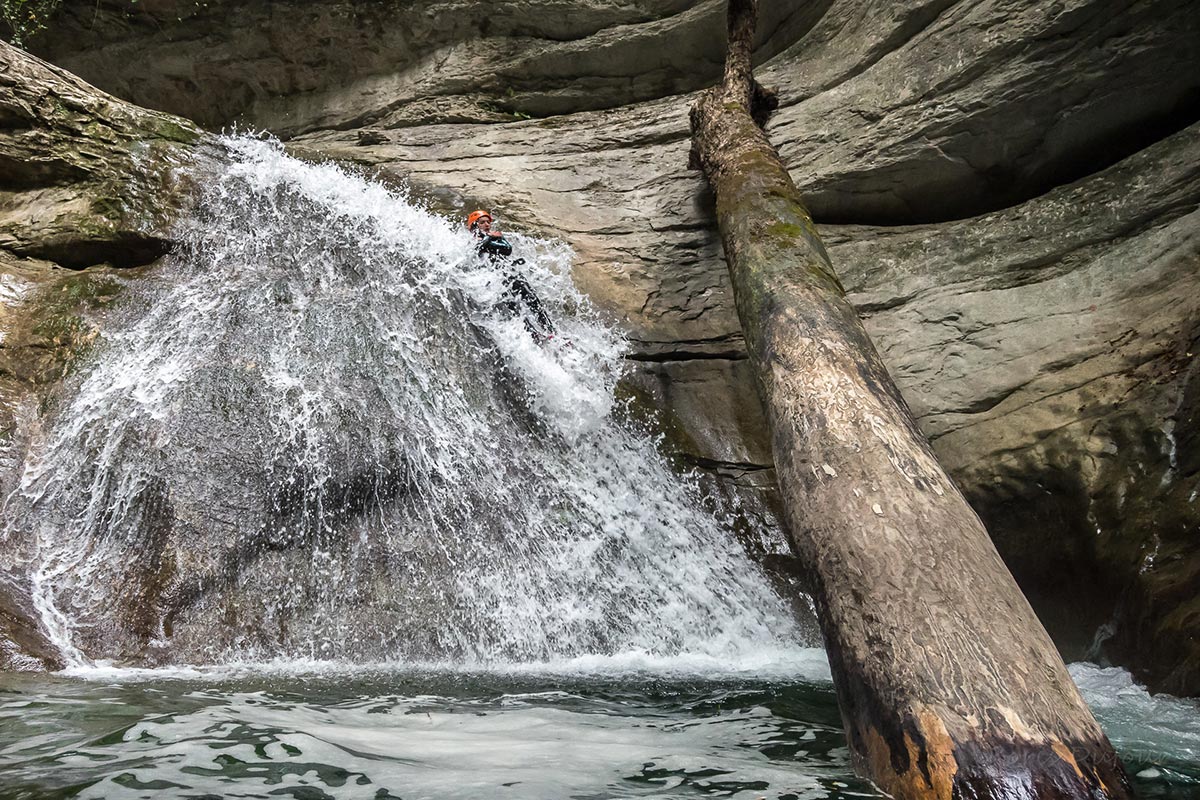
311	434
329	731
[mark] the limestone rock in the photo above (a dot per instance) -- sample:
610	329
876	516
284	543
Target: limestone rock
86	178
86	181
1048	350
295	66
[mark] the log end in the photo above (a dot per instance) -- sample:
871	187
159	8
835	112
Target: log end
926	761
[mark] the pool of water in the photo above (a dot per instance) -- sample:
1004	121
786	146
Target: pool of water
317	732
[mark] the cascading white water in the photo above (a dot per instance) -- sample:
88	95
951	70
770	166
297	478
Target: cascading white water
312	433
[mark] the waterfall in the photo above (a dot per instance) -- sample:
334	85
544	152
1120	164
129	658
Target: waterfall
313	432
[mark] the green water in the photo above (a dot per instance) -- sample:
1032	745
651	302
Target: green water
413	735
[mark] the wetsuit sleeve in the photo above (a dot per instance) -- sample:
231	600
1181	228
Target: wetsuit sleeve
495	246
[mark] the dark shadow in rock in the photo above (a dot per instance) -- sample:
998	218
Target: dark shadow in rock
1039	525
1005	188
1110	567
1009	184
123	250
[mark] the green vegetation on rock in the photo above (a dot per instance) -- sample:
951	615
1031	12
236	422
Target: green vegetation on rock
26	18
62	313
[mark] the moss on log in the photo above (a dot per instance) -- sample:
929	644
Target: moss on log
949	685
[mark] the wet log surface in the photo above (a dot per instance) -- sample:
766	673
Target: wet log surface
948	683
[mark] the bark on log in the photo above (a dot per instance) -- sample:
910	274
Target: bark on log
949	685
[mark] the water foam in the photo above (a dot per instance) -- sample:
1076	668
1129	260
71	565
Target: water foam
808	665
1157	732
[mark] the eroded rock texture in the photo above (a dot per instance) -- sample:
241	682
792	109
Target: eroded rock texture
1008	189
87	179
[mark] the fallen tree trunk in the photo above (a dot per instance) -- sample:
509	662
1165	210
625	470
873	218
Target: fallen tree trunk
948	684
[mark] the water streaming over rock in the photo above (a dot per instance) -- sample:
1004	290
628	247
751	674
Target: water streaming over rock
329	731
314	433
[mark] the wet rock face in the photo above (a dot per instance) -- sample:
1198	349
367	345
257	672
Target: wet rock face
88	183
23	647
1048	351
89	186
1008	189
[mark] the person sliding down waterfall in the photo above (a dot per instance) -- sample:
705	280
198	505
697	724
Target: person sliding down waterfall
518	297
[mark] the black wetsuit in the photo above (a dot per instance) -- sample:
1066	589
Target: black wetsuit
518	297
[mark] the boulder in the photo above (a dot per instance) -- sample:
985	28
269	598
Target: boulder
87	178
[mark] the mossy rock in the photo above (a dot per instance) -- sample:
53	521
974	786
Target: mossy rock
64	311
89	179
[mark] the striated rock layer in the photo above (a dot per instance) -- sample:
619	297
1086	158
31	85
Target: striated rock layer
1009	191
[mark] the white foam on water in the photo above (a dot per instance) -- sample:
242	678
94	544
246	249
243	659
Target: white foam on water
537	745
808	665
1155	729
437	730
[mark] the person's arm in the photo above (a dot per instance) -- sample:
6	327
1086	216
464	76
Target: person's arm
495	245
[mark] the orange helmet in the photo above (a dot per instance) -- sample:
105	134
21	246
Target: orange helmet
474	217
